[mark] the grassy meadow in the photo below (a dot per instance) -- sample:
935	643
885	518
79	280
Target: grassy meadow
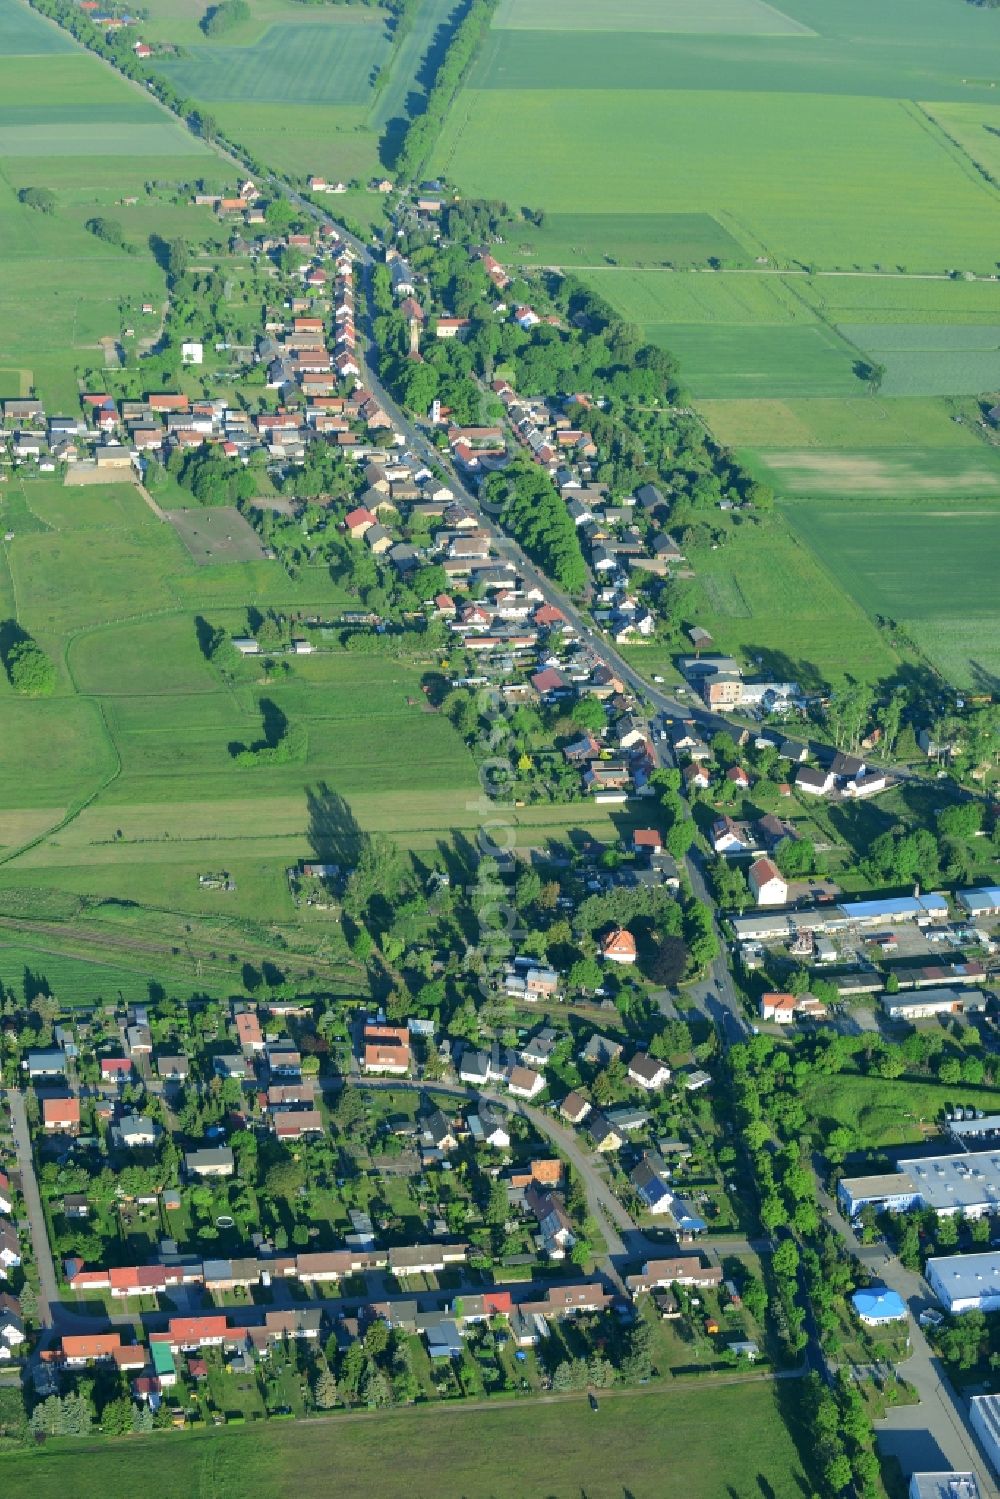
424	1454
139	790
138	739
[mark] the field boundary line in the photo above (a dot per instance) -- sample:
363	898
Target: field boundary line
74	810
936	131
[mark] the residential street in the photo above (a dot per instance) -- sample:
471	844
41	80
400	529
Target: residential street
48	1295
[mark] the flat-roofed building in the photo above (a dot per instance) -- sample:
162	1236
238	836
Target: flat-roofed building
892	1192
984	1417
965	1282
943	1486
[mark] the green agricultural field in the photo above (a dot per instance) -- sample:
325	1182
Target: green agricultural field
922	567
974	127
74	981
898	49
153	656
106	138
595	239
712	17
178	22
725	361
27	34
764	595
911	471
423	1454
110	141
863	421
319	62
893	298
879	185
937	360
399	98
659	297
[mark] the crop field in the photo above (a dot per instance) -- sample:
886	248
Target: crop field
935	360
911	471
595	239
723	360
423	1454
421	46
712	17
658	297
70	105
879	185
898	299
321	62
856	423
897	50
974	127
922	567
27	34
178	22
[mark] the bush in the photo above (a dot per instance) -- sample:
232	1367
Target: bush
219	19
30	670
38	198
107	229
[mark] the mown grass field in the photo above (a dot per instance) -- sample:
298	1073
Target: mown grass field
434	1453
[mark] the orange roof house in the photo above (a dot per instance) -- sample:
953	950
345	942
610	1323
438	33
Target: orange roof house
618	946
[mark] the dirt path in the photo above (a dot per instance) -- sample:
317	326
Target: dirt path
160	514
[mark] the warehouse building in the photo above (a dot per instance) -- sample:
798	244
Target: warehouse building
926	1003
965	1282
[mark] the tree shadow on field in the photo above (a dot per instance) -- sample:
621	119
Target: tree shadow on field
11	634
777	666
334	833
